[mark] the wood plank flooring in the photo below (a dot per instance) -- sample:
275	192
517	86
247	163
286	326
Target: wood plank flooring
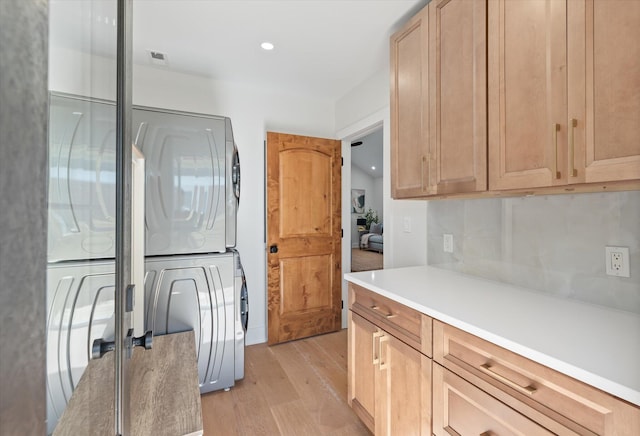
365	260
295	388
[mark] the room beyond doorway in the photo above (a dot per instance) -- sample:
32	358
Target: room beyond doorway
366	205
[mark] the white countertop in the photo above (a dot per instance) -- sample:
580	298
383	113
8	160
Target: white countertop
594	344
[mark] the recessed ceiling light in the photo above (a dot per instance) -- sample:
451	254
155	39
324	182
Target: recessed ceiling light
373	168
267	46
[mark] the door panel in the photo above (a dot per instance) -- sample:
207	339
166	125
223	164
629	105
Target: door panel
404	401
362	380
527	93
304	281
604	90
410	162
303	225
458	50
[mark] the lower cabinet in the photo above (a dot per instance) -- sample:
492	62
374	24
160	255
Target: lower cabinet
461	408
556	402
471	387
403	389
362	368
389	381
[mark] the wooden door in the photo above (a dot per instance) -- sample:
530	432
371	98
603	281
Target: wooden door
403	389
303	236
604	90
410	162
458	95
363	356
527	93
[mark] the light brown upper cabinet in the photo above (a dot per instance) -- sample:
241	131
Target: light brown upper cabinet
564	92
527	93
603	90
458	96
439	101
410	108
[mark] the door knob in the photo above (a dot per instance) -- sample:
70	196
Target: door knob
273	249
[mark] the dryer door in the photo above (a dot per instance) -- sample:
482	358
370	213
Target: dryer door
185	181
82	159
196	293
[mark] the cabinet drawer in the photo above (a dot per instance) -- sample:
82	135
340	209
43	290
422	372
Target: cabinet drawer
408	325
583	408
461	408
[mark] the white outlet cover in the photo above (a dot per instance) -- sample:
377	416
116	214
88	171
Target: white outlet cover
407	224
617	269
447	243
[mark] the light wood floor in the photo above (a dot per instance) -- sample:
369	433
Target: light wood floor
296	388
365	260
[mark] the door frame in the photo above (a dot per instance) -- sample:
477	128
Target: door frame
380	118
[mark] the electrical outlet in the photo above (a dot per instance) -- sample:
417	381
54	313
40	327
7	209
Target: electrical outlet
617	261
448	243
407	224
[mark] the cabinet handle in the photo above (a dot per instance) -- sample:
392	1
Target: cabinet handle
487	433
384	362
422	172
556	129
386	315
572	171
488	369
426	159
374	338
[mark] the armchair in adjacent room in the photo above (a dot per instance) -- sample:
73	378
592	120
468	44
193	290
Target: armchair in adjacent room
374	239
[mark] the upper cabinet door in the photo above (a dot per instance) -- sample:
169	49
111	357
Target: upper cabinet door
604	90
410	109
458	95
527	93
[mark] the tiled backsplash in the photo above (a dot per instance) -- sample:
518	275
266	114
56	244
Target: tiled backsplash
554	244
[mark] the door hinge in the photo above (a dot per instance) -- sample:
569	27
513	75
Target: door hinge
342	305
342	233
342	162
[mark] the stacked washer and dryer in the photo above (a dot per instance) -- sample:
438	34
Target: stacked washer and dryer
186	192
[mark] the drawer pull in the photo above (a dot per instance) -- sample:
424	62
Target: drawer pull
374	338
387	315
530	390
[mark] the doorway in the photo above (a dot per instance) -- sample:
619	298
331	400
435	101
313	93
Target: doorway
367	202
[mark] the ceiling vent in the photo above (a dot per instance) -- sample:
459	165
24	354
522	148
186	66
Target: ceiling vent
157	57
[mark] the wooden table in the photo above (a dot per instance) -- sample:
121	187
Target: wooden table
165	396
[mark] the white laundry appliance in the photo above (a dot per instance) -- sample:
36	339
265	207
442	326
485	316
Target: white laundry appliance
193	181
194	293
191	184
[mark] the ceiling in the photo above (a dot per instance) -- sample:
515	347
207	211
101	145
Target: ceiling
369	154
323	48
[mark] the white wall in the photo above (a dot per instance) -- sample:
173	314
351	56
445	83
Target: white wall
253	111
365	99
377	199
554	244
